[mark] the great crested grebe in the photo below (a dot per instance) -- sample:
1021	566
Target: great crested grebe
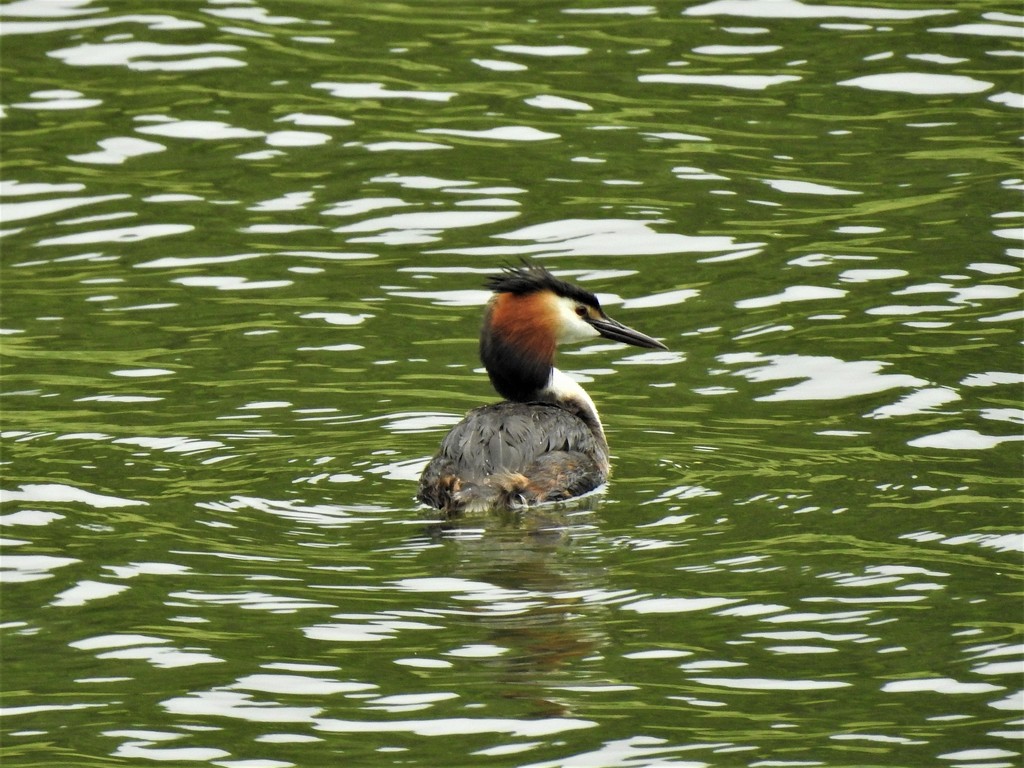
544	442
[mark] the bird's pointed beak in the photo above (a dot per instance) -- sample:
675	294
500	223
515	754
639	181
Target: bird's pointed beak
616	331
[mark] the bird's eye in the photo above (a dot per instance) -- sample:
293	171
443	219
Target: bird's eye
581	311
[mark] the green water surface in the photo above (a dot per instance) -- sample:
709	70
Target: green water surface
241	282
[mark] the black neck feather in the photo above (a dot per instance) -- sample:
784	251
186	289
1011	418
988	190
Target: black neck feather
516	376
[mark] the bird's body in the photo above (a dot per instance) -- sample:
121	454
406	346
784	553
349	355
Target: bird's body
510	454
545	442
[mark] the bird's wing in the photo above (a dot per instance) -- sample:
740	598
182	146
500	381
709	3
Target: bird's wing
509	437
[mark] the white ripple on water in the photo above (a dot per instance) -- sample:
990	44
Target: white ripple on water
331	348
601	237
500	133
1012	415
34	208
921	401
22	568
363	205
379	91
141	373
297	138
544	50
457	726
867	275
59	493
174	262
1003	317
298	684
132	570
422	662
172	197
162	658
735	50
363	628
793	186
453	298
116	150
177	444
30	517
1015	667
742	82
1010	542
792	293
313	120
936	58
625	10
256	15
409	702
638	751
499	66
962	440
822	259
13	187
291	509
679	604
63	9
810	635
120	235
206	130
119	398
806	617
990	268
660	653
490	202
874	737
58	100
492	599
284	738
793	9
826	378
546	101
919	83
247	601
695	173
1009	99
143	648
984	30
225	703
478	651
230	283
946	685
653	358
676	136
149	57
337	318
424	227
400	146
86	591
282	229
142	750
752	609
664	299
766	684
289	201
35	708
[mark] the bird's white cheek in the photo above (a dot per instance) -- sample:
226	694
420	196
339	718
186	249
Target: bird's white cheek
571	326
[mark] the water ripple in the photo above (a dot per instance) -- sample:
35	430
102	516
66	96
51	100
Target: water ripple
243	266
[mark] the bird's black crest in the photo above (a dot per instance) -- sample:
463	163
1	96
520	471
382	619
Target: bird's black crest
530	278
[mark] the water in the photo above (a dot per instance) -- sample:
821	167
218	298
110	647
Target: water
241	268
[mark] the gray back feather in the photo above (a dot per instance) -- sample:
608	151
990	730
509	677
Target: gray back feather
510	437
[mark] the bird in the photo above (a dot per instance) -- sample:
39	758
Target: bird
544	442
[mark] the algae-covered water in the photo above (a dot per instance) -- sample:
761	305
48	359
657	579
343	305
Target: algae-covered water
241	278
